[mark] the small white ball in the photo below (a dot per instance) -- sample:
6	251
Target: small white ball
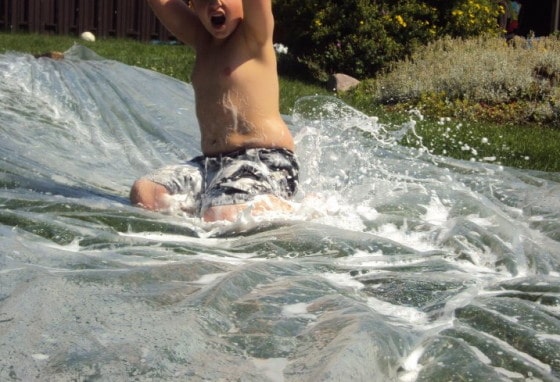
88	36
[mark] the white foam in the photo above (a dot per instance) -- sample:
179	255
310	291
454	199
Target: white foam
373	260
482	222
343	280
298	310
461	299
550	337
437	213
73	246
409	376
411	361
417	240
510	374
367	212
272	368
40	357
209	278
171	238
403	314
483	358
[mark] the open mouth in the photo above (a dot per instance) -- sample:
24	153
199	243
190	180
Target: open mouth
218	20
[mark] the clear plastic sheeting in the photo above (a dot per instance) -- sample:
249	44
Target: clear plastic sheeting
395	264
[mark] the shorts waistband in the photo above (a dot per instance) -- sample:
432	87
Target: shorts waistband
245	151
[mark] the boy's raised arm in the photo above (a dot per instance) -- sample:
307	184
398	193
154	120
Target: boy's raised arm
258	19
178	18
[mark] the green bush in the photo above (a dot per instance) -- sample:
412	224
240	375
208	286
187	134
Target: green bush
334	36
411	23
361	37
469	18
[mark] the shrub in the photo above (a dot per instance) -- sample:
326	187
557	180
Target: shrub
361	37
481	78
336	36
468	18
411	23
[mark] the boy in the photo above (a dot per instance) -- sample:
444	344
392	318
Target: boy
248	150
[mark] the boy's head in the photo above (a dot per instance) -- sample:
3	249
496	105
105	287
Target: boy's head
220	17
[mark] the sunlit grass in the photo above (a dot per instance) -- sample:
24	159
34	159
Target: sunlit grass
173	60
528	147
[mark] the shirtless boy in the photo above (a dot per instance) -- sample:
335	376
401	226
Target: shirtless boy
248	150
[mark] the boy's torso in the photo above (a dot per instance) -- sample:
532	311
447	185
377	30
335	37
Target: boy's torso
237	97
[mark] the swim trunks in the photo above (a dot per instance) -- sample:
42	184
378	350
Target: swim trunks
232	178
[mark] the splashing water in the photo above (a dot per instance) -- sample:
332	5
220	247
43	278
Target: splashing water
396	265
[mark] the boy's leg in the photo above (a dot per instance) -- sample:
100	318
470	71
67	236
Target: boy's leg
150	195
155	197
248	179
170	187
230	212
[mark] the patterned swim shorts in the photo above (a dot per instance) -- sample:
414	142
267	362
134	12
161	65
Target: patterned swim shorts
232	178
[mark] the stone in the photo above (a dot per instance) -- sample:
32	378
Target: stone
341	82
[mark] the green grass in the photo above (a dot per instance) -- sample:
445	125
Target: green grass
523	146
172	60
527	147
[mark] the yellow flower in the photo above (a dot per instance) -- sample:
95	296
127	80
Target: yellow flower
400	20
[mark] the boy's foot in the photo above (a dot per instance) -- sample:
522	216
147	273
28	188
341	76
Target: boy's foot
149	195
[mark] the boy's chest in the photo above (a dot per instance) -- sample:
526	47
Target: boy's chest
212	72
220	68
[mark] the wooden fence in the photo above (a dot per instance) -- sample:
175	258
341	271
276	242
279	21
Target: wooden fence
104	18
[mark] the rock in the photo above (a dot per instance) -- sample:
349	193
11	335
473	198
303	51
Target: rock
341	82
88	36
